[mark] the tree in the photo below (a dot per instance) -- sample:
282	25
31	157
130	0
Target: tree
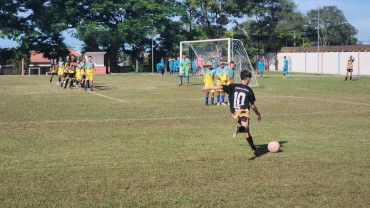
334	27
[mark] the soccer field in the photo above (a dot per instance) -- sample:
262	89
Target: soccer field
143	141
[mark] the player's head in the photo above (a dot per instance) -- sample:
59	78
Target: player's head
245	76
60	58
83	60
184	55
73	57
89	58
67	57
208	65
284	57
260	58
78	61
232	65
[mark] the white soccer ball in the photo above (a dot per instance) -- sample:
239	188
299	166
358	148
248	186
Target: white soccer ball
273	146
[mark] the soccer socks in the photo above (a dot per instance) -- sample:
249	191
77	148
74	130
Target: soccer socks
284	74
71	83
212	100
350	78
222	98
346	78
91	87
58	79
180	80
206	99
66	83
228	99
218	98
288	74
187	79
250	142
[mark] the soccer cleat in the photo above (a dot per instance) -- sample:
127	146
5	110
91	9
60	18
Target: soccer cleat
218	103
187	84
180	84
284	77
207	104
80	88
254	152
223	103
58	82
235	131
50	82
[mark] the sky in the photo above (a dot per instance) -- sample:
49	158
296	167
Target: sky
356	12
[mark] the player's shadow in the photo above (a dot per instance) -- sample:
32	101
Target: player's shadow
262	149
100	87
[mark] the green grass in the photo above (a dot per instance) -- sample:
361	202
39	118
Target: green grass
157	145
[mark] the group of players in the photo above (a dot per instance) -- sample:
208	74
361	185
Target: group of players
74	71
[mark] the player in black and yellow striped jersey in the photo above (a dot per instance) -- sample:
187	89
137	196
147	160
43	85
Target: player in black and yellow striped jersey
65	70
350	68
53	70
71	72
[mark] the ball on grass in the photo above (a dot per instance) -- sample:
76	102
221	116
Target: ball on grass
273	146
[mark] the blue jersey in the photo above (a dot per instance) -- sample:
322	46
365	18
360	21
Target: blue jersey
178	62
220	71
260	65
60	63
286	62
230	73
214	65
162	62
194	65
159	65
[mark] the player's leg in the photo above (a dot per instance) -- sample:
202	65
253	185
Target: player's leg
212	97
223	98
51	78
218	97
346	76
187	77
68	77
92	88
244	128
207	94
350	75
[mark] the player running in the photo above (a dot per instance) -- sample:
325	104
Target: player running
185	68
286	67
221	75
53	70
261	65
350	68
243	99
60	69
89	66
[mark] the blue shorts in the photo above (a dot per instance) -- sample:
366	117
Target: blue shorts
260	70
285	69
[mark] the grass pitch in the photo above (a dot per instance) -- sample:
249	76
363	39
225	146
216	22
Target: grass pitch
142	141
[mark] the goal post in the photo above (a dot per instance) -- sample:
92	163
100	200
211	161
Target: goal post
226	48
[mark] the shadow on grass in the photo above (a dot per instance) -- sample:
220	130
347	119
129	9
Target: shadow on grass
262	149
100	87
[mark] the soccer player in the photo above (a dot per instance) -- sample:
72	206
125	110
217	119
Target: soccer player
83	73
170	63
159	65
243	99
350	68
286	67
261	65
71	72
53	70
221	75
178	62
60	69
194	67
209	76
220	60
185	68
89	66
230	77
66	70
79	72
200	63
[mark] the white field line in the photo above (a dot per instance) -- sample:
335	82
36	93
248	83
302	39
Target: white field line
320	99
170	118
112	98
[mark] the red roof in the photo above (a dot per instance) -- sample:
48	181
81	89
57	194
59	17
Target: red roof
39	57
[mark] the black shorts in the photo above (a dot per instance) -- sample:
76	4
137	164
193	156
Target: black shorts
54	74
65	74
71	75
349	70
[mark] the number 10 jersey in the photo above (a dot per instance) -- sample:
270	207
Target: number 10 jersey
240	97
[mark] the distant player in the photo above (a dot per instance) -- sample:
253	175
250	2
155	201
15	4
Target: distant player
83	73
230	77
286	67
53	70
209	76
242	98
79	72
221	75
350	68
178	62
89	66
66	70
200	63
160	67
261	66
71	72
170	64
60	69
194	65
185	68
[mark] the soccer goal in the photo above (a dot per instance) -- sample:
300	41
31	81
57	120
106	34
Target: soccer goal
227	48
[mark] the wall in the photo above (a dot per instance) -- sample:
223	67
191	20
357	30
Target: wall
329	62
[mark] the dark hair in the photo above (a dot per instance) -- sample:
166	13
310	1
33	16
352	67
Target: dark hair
244	74
284	56
232	62
89	57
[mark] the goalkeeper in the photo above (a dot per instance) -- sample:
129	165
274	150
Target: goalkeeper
184	69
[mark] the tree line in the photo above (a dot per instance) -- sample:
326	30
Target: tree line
128	26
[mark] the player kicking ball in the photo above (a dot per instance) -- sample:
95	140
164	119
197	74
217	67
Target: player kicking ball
242	99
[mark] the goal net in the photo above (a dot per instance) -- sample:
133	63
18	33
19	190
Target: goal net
228	49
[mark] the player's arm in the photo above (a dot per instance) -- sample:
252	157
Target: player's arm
218	87
254	107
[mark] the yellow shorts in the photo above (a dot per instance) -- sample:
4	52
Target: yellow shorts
209	84
78	76
224	82
240	114
60	71
89	76
230	82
